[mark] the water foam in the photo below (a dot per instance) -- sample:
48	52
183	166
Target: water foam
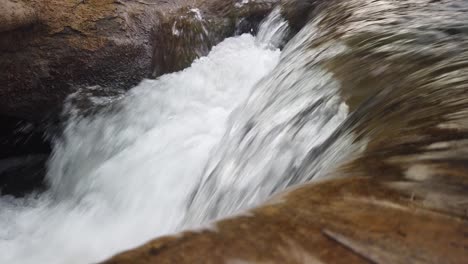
124	176
176	152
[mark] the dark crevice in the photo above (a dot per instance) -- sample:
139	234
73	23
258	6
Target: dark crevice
24	151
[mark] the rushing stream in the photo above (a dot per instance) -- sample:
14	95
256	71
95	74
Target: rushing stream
127	174
243	123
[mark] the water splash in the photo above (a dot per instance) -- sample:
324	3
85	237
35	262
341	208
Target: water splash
192	146
273	30
290	112
124	176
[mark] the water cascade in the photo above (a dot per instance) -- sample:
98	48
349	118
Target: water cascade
257	115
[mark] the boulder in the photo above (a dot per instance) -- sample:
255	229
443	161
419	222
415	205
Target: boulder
50	48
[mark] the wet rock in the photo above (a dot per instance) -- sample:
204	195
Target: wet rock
353	220
299	12
48	48
191	32
70	43
186	36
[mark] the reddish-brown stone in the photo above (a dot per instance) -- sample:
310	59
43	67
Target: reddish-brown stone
49	48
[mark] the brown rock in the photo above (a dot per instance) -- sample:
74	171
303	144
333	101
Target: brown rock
355	220
299	12
14	15
190	32
49	48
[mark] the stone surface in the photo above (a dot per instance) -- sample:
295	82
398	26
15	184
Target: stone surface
49	48
357	220
191	31
15	15
299	12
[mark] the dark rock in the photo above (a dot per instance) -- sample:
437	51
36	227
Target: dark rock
20	137
24	149
299	12
22	175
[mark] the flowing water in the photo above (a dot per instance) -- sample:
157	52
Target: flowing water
126	174
239	125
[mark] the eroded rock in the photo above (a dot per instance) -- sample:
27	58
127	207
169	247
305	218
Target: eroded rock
48	48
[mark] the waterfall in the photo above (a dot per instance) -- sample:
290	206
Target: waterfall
255	116
289	113
125	174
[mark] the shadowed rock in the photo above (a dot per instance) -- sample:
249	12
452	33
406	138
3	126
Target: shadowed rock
23	155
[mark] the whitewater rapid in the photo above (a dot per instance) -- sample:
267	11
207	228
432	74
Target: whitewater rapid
180	151
124	176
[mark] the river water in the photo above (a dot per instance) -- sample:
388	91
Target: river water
126	174
243	123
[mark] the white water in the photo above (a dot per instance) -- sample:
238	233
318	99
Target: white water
124	177
268	146
173	153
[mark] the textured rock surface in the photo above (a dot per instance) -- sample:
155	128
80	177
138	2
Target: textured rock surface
71	43
191	31
15	15
357	220
49	48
